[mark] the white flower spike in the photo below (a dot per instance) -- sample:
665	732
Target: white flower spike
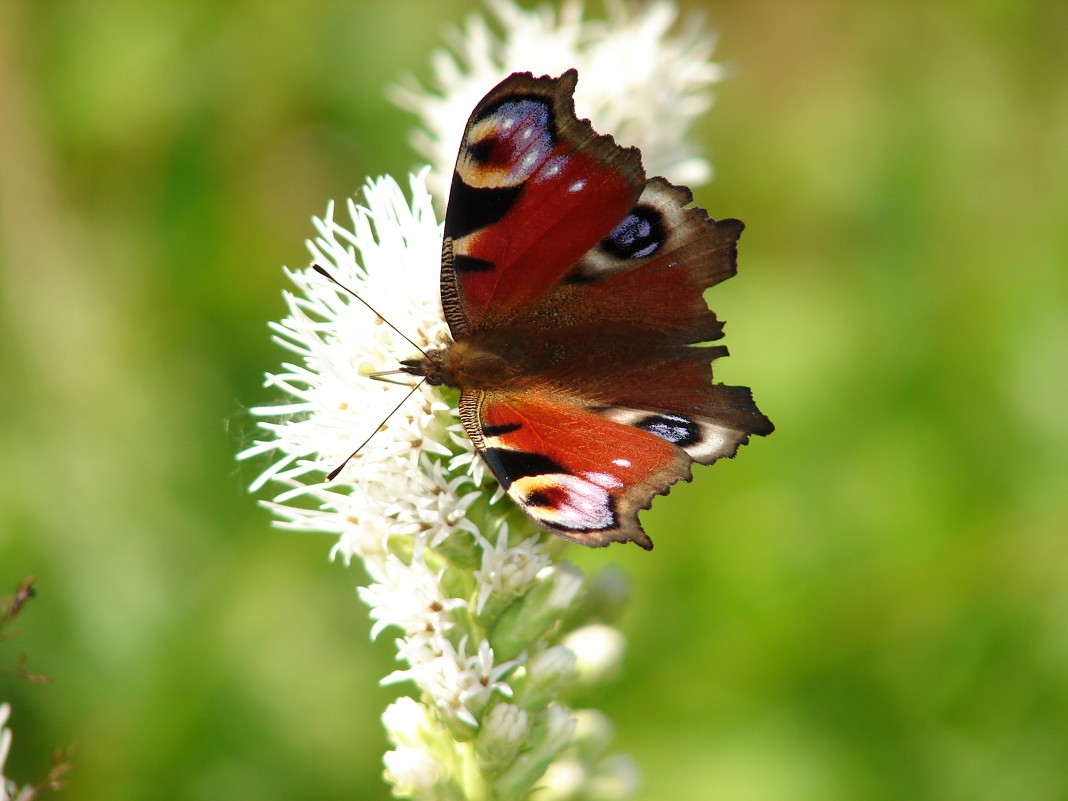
467	585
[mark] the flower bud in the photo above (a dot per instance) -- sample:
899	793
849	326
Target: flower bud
406	721
549	737
598	652
414	773
546	675
553	593
504	731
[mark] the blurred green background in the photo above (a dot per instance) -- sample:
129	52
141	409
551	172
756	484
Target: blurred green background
871	604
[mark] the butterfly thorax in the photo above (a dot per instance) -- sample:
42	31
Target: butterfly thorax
462	365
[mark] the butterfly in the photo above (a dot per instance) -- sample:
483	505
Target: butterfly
573	287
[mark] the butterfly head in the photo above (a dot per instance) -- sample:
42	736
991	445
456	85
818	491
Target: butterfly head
430	366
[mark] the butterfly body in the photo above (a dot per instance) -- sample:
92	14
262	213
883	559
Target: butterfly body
573	289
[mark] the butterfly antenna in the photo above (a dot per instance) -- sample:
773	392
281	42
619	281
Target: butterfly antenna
381	375
333	473
374	311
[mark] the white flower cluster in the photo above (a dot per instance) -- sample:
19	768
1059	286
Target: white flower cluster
468	583
642	78
410	487
393	485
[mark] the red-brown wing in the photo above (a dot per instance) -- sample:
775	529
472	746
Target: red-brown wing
576	473
534	190
624	326
649	274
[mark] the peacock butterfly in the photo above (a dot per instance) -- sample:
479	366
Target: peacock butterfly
573	289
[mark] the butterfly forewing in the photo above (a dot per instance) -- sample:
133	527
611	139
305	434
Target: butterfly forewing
534	190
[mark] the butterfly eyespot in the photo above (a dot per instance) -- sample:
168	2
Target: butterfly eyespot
538	499
675	429
507	143
481	151
639	234
566	502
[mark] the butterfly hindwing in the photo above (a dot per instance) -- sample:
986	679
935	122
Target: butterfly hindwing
575	472
584	471
637	311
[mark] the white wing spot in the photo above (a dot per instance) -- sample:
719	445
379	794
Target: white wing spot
606	480
621	462
552	167
578	186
